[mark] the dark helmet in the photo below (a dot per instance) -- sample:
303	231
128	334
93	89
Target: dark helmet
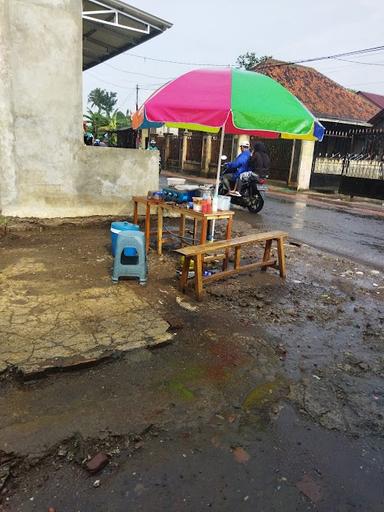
259	147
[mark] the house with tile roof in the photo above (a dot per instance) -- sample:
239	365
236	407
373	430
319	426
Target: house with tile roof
378	101
339	109
326	99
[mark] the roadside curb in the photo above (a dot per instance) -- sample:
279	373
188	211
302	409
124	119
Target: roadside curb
363	207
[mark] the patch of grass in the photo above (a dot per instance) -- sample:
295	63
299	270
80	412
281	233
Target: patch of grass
183	392
3	220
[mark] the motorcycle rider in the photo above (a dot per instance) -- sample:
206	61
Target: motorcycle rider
152	145
238	166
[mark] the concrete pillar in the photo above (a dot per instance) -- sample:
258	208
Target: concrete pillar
167	148
45	168
184	147
144	136
7	139
206	154
305	165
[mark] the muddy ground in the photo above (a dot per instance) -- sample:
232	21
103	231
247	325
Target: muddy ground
269	395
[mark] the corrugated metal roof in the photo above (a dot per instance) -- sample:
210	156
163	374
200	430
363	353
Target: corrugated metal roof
376	99
111	27
325	98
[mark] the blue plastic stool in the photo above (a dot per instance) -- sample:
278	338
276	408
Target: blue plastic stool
116	228
125	263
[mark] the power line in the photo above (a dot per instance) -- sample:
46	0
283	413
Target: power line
132	88
179	62
136	73
363	63
298	61
326	57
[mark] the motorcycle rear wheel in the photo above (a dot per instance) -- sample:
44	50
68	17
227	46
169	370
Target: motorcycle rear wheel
256	203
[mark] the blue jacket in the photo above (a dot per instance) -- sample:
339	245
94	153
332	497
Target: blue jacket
240	163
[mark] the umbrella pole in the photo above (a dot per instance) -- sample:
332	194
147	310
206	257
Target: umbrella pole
216	193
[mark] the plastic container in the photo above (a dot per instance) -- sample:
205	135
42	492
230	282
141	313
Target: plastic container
116	228
175	181
206	206
197	203
224	203
215	202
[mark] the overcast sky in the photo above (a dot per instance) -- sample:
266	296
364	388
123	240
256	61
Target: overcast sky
217	31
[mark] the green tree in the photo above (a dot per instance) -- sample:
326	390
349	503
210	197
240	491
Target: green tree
115	121
249	60
103	100
96	120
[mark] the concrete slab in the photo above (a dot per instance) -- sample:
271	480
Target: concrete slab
47	323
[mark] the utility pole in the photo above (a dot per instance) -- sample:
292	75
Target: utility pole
137	97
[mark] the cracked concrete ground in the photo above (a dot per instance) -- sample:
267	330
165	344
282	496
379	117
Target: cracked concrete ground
58	306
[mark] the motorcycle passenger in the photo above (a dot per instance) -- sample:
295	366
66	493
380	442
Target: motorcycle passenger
237	167
259	163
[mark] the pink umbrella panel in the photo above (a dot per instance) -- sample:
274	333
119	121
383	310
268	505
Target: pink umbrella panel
235	100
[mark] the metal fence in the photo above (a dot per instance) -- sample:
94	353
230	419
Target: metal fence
354	153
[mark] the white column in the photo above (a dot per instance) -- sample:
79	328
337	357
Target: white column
305	164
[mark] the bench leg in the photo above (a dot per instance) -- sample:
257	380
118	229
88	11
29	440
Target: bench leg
267	253
237	257
228	234
184	274
281	255
198	259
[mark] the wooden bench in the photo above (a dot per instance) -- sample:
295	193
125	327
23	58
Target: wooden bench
198	253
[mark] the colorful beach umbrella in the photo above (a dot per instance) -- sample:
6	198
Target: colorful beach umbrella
237	101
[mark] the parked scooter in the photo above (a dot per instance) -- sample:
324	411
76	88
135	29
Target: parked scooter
251	189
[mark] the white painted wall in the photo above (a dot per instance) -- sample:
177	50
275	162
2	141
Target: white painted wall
45	169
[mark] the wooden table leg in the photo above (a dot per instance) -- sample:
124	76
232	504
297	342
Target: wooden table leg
281	255
135	212
204	230
228	234
267	253
195	226
198	260
159	231
182	229
228	231
147	227
184	274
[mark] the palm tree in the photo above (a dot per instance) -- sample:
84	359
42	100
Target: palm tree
103	100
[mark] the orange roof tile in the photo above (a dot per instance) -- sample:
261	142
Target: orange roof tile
322	96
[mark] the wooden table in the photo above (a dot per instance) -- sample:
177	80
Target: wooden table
148	203
183	213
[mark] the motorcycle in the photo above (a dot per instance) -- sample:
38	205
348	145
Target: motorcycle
251	189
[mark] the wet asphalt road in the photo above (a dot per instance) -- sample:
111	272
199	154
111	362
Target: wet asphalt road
360	238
